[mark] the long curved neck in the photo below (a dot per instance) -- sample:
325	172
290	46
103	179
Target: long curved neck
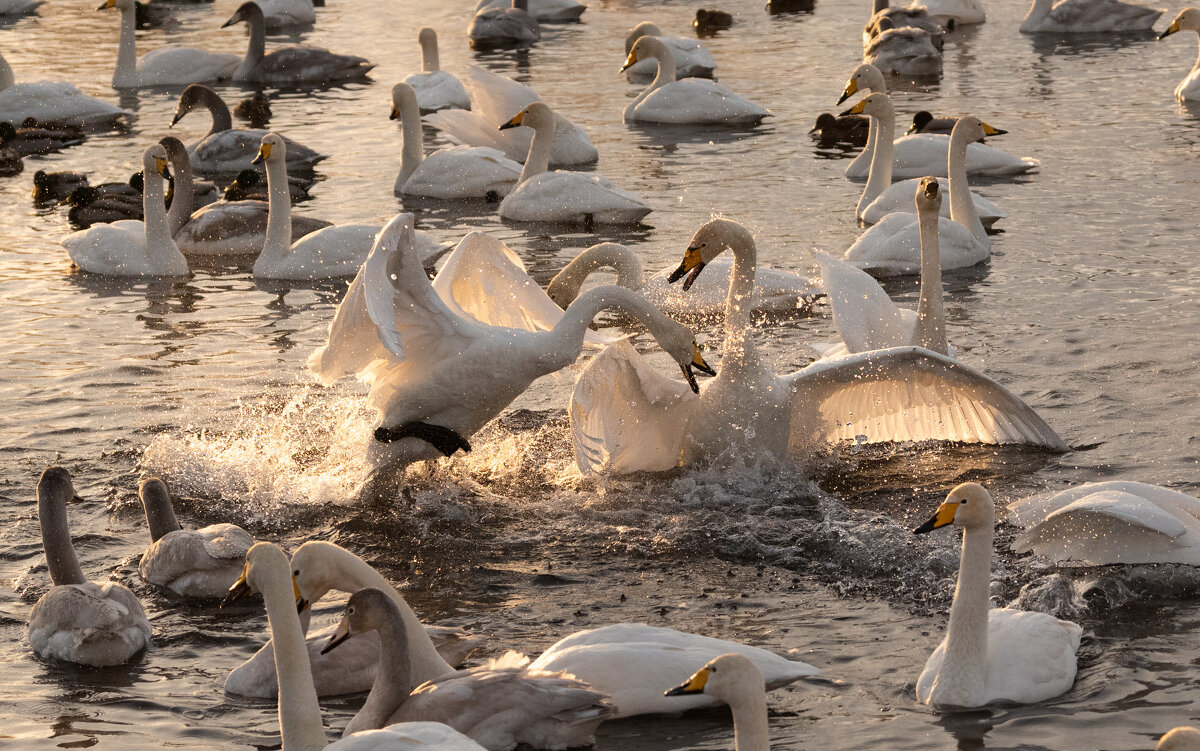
538	160
56	541
567	334
160	516
299	712
883	131
258	42
930	331
222	118
126	71
1194	67
278	241
1038	11
738	303
666	68
962	205
429	55
413	153
160	246
393	678
966	635
749	709
185	192
566	284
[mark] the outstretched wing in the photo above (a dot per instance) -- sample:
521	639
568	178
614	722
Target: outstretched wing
863	314
352	343
908	394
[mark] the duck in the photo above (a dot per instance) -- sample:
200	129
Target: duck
561	196
499	26
1087	17
493	100
423	339
266	571
54	103
283	14
1188	89
88	206
851	129
226	149
955	13
1103	523
625	417
288	66
256	110
904	51
55	186
500	704
10	162
913	16
29	140
734	680
130	247
775	291
692	58
77	620
925	122
545	11
992	655
148	16
710	21
435	88
458	172
692	101
190	562
251	185
166	66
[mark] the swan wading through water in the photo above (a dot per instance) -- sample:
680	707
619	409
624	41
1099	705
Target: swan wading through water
736	681
991	655
166	66
1188	89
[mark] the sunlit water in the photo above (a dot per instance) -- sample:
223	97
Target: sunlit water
1088	310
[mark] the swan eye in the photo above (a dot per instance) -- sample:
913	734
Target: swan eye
349	611
296	572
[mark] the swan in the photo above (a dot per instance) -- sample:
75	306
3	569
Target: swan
29	140
1184	738
922	154
189	562
696	101
426	413
1100	523
865	77
777	291
493	100
560	196
736	681
627	418
288	66
542	10
12	8
187	195
500	704
500	26
692	58
1189	88
435	88
907	51
266	572
914	16
130	247
228	150
893	244
452	173
53	103
955	12
991	655
278	14
1087	17
166	66
77	620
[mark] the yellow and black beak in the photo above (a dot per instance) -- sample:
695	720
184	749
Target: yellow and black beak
240	588
990	131
395	114
516	121
264	153
178	116
693	685
699	364
1174	27
107	4
691	262
850	90
930	187
856	109
160	164
943	517
340	635
301	603
629	61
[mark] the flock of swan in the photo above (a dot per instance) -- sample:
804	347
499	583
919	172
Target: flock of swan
444	356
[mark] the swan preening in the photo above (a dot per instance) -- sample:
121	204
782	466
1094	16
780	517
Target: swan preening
78	620
736	681
1087	16
287	66
991	655
435	89
697	101
692	59
166	66
1188	89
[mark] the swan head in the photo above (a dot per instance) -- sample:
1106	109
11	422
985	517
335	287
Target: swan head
974	129
929	196
1183	738
877	105
866	77
155	159
315	570
1188	19
156	503
191	97
119	4
643	29
403	97
427	36
246	12
366	610
263	561
55	486
727	678
643	48
969	506
678	341
535	115
270	148
713	238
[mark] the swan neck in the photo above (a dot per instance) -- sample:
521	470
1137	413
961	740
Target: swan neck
567	335
741	292
931	318
185	191
278	241
393	678
966	635
6	74
665	73
882	131
222	118
258	40
538	159
56	541
880	5
1194	67
750	731
566	284
1038	11
429	55
962	205
126	71
160	246
413	152
160	516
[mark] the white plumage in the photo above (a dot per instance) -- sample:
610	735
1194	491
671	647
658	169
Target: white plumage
696	101
52	103
1188	89
435	88
1087	16
166	66
692	58
898	197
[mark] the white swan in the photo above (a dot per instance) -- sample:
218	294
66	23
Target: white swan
1100	523
1189	88
500	704
560	196
1087	17
452	173
991	655
503	26
78	620
906	51
893	244
187	194
493	100
266	571
166	66
697	101
190	562
692	59
776	291
899	17
228	150
288	66
424	411
131	247
542	10
1184	738
279	14
626	418
435	88
736	681
957	11
52	103
865	77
